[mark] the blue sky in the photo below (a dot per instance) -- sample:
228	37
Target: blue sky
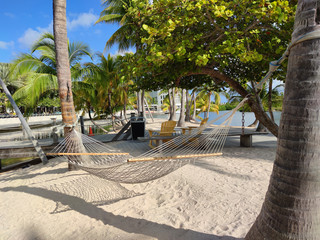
22	22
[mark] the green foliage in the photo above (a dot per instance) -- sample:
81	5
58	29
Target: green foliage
237	38
104	87
38	69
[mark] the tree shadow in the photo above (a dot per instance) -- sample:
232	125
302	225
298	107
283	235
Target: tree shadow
25	175
127	224
216	169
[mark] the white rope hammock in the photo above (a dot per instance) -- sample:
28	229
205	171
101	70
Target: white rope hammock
100	160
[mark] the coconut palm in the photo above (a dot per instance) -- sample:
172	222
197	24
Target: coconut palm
128	35
40	68
204	101
62	63
12	84
291	207
102	88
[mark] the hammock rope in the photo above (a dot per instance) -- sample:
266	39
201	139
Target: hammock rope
101	160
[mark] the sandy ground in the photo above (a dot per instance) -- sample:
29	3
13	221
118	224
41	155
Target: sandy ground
214	198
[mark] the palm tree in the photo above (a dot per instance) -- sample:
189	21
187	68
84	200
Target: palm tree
63	63
204	101
291	207
40	68
108	92
115	11
128	35
12	84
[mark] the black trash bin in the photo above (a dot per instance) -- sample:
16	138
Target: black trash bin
138	126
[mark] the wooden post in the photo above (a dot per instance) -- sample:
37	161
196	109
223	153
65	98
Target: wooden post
25	124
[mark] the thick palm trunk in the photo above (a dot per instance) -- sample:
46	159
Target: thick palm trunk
63	68
291	208
62	61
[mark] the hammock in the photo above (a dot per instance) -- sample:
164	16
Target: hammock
100	160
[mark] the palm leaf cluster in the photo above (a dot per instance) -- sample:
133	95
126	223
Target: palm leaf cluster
38	68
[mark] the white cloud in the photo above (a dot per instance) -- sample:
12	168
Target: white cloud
6	45
82	20
9	14
31	35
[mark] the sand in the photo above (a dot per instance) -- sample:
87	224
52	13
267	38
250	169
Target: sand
215	198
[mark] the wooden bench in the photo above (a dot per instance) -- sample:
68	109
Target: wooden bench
246	138
157	139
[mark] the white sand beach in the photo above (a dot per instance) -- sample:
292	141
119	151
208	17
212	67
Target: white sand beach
214	198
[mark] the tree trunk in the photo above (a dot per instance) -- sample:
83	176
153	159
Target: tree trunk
25	125
291	208
170	102
142	104
188	107
138	102
174	107
63	67
125	109
181	122
209	105
62	59
270	100
255	107
194	114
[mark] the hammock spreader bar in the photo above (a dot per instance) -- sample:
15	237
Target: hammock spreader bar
85	153
173	157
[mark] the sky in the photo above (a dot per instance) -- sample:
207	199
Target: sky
22	22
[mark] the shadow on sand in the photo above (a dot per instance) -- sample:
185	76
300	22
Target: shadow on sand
127	224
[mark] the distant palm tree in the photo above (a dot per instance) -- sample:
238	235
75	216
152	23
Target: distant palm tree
12	84
40	68
128	35
204	101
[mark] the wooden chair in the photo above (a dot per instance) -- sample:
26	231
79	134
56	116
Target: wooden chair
190	128
194	141
167	129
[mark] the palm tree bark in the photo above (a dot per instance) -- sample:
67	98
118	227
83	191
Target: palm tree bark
63	67
62	61
291	208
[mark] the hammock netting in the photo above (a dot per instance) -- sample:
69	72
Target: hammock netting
98	159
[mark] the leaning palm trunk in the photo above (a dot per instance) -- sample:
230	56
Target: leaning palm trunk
291	208
63	67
